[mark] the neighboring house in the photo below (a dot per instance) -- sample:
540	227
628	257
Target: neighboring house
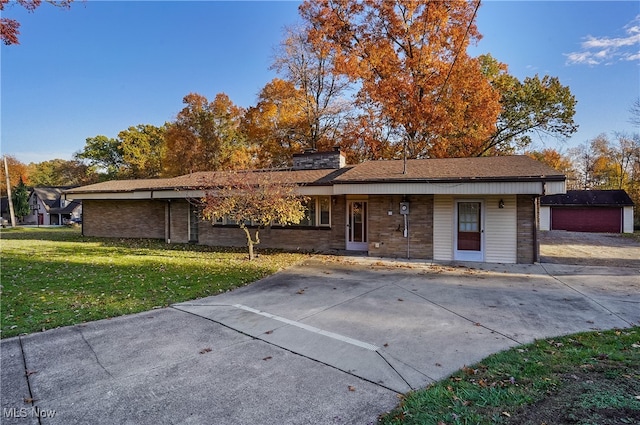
467	209
4	208
5	214
50	207
606	211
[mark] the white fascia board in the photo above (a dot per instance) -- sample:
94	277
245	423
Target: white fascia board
555	188
178	194
315	190
466	188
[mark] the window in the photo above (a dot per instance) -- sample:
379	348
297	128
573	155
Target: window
324	208
318	214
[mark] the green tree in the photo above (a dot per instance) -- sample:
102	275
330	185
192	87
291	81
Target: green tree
253	200
536	105
59	172
20	197
104	154
142	150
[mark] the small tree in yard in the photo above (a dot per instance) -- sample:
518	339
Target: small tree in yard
21	200
254	200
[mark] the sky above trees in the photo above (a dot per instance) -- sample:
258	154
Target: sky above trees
101	67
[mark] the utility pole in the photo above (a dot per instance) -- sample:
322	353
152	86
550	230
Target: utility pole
6	173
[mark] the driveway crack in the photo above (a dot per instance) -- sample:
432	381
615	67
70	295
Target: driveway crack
95	355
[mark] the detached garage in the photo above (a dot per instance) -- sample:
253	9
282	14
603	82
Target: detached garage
602	211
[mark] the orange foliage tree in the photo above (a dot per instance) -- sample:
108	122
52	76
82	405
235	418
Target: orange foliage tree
310	68
206	136
275	127
253	200
17	171
409	59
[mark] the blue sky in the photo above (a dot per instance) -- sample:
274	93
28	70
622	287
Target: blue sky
103	66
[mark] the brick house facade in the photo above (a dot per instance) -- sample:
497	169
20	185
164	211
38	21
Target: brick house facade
467	209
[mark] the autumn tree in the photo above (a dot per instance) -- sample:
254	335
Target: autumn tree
410	61
17	171
557	161
310	68
142	148
369	136
535	105
206	136
253	199
275	126
10	28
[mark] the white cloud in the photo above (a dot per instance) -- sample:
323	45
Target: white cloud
606	50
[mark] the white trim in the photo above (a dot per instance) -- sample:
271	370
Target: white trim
469	255
462	188
627	219
357	246
545	218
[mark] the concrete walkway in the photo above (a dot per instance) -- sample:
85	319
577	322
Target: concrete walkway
332	341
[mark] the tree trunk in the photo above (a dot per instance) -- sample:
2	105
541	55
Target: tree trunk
251	242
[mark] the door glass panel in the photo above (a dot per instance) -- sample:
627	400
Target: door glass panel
357	222
469	226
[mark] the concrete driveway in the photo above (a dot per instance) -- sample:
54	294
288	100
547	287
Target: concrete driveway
330	341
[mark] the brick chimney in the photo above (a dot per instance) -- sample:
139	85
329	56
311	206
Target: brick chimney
312	160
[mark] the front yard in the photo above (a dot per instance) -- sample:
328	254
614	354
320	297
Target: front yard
54	277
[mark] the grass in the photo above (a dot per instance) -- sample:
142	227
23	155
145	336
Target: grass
53	277
588	378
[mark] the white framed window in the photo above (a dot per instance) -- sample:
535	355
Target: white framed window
318	214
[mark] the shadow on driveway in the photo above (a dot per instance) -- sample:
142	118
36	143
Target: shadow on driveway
330	341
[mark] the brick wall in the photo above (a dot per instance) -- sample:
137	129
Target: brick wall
292	239
386	232
528	249
338	223
319	160
124	218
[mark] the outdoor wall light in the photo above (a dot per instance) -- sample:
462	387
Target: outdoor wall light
501	203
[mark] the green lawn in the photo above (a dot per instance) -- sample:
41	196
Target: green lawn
54	277
589	378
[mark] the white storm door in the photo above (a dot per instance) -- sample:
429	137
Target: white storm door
469	235
357	227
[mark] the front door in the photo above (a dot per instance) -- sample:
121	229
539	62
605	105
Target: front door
469	232
357	239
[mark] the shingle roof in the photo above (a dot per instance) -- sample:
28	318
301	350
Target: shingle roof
210	179
503	168
50	196
452	169
593	198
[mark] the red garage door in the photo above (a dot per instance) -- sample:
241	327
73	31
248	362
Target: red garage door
605	220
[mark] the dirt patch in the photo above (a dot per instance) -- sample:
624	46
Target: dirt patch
589	249
605	395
